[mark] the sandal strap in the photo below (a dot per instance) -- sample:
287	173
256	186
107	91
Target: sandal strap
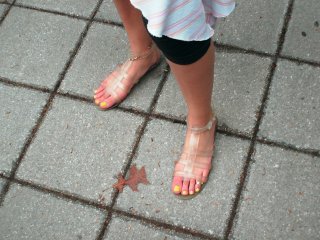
122	74
193	159
207	127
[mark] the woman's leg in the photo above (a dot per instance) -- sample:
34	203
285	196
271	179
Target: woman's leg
196	83
139	41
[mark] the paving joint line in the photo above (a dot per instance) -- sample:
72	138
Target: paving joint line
289	147
54	12
133	152
12	83
165	226
48	104
225	130
6	12
56	192
77	199
221	47
247	164
300	61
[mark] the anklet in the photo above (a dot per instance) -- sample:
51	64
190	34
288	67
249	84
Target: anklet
145	54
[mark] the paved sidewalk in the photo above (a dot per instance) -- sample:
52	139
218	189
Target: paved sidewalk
60	155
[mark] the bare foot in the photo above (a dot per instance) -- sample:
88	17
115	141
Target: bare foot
118	84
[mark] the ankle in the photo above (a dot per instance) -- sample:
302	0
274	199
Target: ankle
199	119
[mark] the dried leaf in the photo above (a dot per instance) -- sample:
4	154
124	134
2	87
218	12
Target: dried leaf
136	176
120	184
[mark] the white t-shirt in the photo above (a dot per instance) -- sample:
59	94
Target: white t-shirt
188	20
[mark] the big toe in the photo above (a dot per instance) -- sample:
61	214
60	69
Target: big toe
177	185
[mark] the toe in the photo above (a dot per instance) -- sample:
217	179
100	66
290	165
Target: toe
191	186
105	103
98	94
185	187
100	99
197	186
99	90
205	176
177	185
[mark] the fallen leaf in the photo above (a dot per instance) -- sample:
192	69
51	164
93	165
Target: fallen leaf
135	177
120	184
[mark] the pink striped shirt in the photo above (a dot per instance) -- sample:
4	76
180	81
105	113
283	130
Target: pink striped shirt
188	20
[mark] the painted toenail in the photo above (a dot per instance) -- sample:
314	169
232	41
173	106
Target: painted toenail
176	188
197	189
103	104
184	192
191	192
97	101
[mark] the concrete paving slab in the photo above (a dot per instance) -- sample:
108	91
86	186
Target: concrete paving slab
128	229
35	46
3	7
208	212
28	214
19	112
281	200
238	86
254	24
104	48
303	35
80	149
296	119
108	12
74	7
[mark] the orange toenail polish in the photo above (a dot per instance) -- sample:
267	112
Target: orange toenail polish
103	104
176	188
96	101
184	192
191	192
197	189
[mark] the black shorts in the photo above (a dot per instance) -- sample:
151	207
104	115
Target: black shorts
178	51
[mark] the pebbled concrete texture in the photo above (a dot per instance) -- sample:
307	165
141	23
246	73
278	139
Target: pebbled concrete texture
157	153
95	61
2	182
296	119
239	82
3	7
74	7
133	230
29	214
15	124
254	24
36	49
303	36
281	200
108	12
80	149
72	161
